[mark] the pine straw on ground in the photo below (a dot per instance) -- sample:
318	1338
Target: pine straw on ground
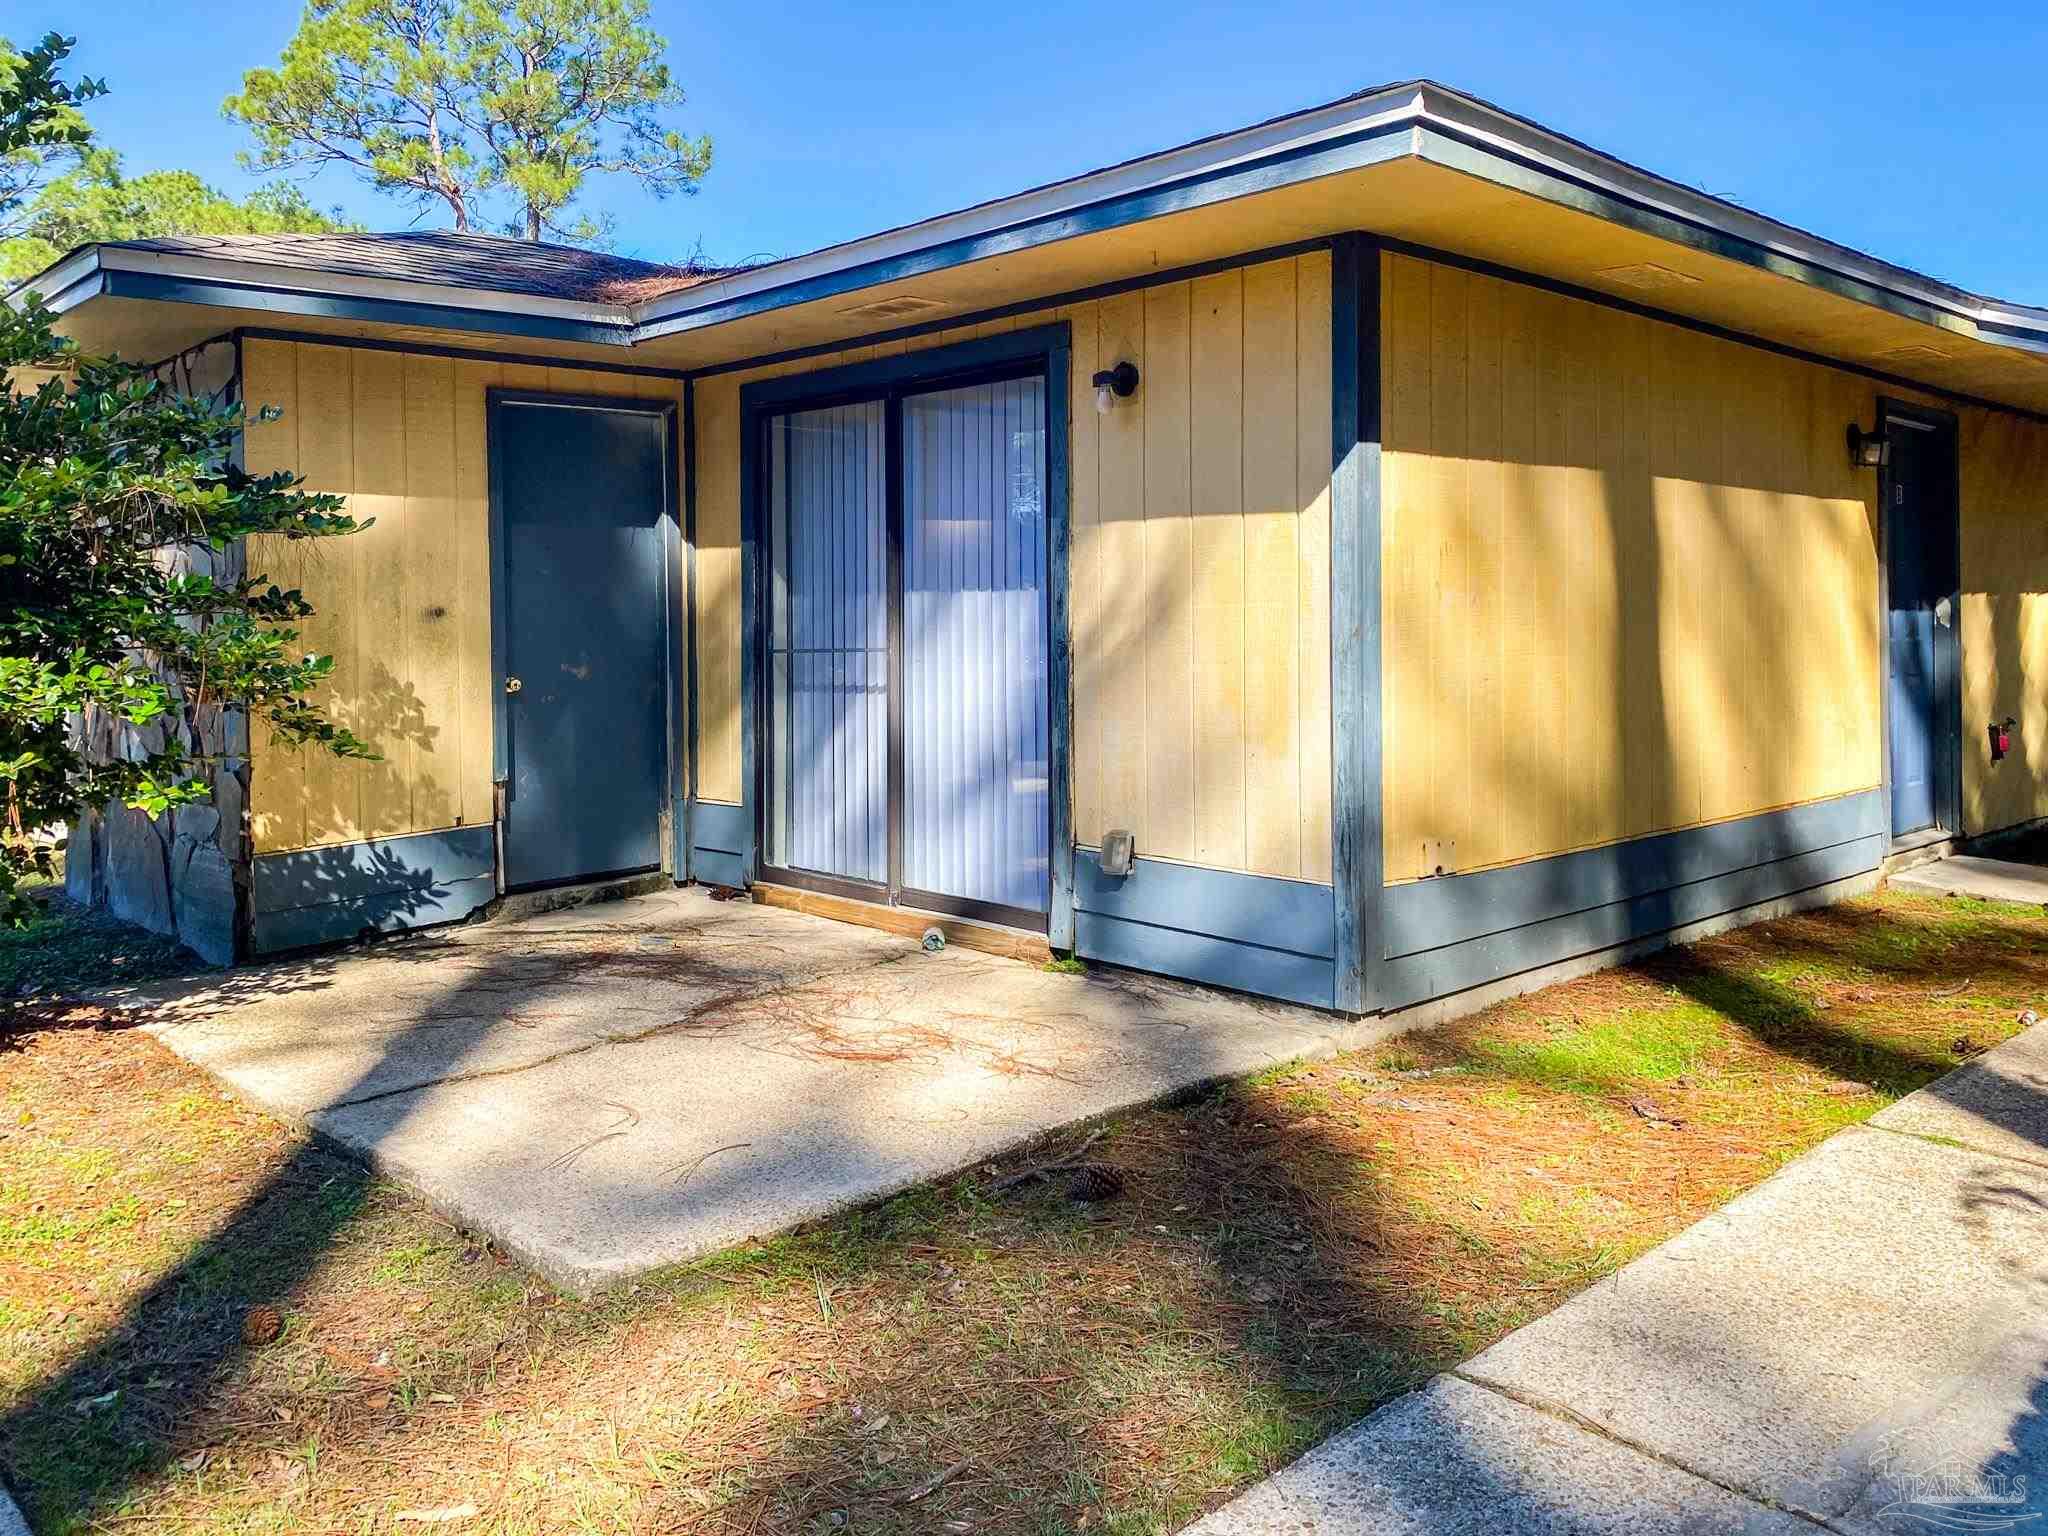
1286	1254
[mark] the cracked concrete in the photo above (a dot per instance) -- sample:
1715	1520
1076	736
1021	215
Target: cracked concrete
1858	1345
607	1089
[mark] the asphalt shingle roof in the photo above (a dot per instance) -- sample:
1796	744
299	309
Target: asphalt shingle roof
493	262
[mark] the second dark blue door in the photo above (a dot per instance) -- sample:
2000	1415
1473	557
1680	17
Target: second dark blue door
585	624
1922	575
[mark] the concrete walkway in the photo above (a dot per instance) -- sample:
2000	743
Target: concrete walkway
1858	1345
1965	874
612	1088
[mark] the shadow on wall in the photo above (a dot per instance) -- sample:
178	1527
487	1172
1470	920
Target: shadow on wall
343	801
1630	587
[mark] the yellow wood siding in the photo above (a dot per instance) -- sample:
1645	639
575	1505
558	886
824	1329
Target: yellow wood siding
1199	577
1630	576
403	606
2004	616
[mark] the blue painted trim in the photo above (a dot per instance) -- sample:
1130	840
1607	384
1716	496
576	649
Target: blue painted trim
1427	914
719	827
1450	147
1368	146
309	877
1059	917
676	688
461	354
920	368
753	703
686	639
90	285
711	867
1051	347
386	912
288	301
321	895
1447	934
1215	962
1251	933
1272	913
1357	855
1456	967
1034	306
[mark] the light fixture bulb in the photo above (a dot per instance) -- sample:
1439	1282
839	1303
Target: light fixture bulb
1105	400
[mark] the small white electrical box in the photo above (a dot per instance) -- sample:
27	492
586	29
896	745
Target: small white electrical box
1119	848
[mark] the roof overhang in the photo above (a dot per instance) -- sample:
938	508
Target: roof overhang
1415	163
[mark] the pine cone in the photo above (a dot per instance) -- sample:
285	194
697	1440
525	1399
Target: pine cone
261	1325
1090	1182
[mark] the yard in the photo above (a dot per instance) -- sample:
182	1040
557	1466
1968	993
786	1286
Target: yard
207	1323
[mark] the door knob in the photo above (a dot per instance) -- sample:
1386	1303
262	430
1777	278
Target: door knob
513	685
1944	613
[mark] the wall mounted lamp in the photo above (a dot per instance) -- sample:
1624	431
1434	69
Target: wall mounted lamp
1114	384
1868	450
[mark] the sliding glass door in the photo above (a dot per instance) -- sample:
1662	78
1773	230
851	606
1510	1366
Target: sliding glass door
908	650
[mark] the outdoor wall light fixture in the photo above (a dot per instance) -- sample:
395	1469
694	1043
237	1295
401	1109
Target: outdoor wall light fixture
1114	384
1868	450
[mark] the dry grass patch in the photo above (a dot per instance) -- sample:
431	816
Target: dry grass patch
1284	1255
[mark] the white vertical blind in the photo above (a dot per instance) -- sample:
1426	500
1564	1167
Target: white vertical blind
975	739
828	659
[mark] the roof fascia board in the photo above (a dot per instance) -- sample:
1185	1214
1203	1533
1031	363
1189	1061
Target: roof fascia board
1053	212
1373	146
1422	119
251	274
66	285
271	299
1518	154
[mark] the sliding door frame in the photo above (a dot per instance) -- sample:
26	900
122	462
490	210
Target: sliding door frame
1042	352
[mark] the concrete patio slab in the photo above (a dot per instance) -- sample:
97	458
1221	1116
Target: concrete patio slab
1966	874
1456	1458
610	1089
1861	1341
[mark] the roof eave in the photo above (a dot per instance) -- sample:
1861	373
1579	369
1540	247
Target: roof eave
125	272
1420	119
1525	156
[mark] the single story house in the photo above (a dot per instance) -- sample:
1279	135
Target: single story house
1368	558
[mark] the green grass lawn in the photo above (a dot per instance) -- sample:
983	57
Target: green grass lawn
1287	1254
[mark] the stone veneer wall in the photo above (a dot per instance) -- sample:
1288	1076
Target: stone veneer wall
178	873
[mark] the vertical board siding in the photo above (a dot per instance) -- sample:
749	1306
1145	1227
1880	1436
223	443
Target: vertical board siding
2004	617
1216	488
270	382
376	687
1630	578
404	605
1199	517
328	576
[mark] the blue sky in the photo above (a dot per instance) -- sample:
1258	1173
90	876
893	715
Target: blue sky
1880	126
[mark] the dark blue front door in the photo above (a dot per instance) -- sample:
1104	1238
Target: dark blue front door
585	627
1920	556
